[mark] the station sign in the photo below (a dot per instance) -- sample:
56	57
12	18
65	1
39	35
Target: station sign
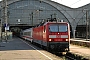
6	26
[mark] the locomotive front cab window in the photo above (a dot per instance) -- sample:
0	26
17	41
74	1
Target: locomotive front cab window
58	28
62	28
53	28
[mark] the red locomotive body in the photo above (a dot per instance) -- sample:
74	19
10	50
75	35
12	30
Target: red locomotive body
53	35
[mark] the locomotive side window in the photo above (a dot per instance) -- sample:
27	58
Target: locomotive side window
44	28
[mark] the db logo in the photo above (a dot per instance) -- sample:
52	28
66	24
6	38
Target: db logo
57	36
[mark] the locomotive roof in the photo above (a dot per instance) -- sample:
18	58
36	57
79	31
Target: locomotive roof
44	23
54	22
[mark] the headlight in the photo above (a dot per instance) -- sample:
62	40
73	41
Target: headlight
66	39
50	39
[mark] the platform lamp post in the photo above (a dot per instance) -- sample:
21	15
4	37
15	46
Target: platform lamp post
0	30
87	32
5	17
86	24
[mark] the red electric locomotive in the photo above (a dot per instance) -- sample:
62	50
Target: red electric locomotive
54	36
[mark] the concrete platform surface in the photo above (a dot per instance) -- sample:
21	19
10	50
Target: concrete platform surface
80	50
17	49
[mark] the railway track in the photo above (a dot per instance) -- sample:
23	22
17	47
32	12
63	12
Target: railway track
70	56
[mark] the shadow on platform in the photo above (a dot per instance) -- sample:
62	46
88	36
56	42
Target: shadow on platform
16	44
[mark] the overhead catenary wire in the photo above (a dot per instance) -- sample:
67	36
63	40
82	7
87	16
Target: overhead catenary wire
75	2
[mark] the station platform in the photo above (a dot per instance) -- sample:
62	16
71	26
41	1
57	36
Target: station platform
14	50
17	50
80	39
80	46
80	50
80	42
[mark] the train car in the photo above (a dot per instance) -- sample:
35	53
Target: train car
54	36
27	34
